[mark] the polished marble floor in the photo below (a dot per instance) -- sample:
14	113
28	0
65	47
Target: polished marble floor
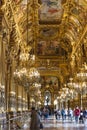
52	124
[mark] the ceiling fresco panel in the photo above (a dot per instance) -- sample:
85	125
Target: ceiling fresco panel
47	32
50	81
50	48
50	11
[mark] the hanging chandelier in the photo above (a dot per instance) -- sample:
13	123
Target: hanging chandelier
24	54
26	77
33	73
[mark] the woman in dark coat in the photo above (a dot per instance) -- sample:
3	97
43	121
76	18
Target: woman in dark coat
35	120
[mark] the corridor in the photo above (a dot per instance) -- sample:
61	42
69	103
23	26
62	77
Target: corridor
43	64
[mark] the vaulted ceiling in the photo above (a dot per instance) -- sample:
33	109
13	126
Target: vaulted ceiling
56	33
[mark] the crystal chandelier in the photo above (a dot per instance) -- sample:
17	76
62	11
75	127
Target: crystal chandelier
33	73
24	54
20	72
81	79
26	77
36	85
80	85
82	75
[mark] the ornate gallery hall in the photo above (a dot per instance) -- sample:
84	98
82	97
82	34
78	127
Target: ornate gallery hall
43	62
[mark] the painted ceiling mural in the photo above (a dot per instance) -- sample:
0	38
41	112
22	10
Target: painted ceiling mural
50	13
50	48
48	32
50	81
50	10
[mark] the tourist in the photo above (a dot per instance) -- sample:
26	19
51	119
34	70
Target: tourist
35	120
77	114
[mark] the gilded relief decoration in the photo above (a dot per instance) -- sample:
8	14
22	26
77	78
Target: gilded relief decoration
50	10
80	13
20	1
20	10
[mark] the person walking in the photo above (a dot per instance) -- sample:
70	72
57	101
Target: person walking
77	114
63	114
70	114
35	120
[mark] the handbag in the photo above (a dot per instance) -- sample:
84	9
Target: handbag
41	125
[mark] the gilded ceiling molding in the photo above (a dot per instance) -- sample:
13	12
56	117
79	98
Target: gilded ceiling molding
65	43
49	26
1	3
26	20
15	36
7	13
73	28
69	36
26	31
67	9
77	20
61	73
80	40
35	22
45	88
9	16
54	37
16	25
79	57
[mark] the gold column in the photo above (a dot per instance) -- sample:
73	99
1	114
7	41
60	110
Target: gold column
79	100
23	98
16	91
7	83
2	65
66	104
26	101
35	23
19	98
12	91
52	99
1	49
